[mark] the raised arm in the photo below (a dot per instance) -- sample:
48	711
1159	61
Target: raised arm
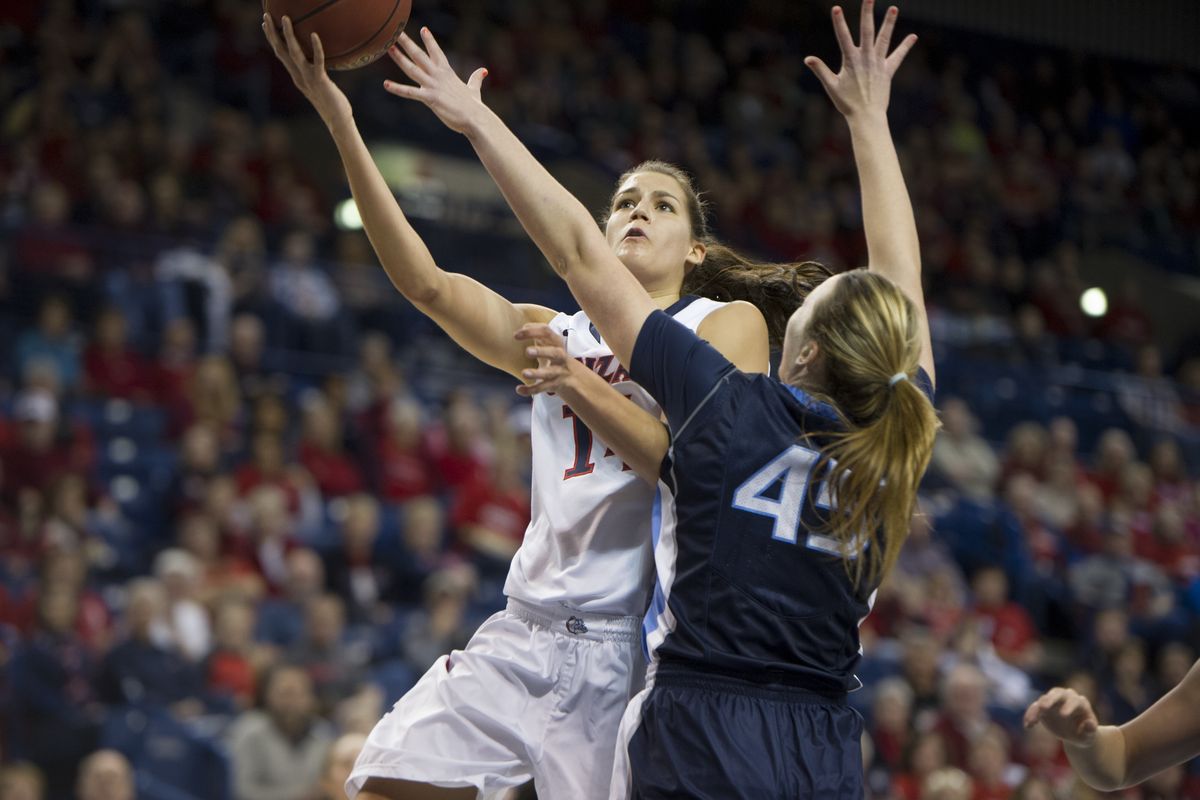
473	315
1108	757
557	222
860	91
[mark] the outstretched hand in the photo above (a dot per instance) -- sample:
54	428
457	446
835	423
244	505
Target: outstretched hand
864	83
437	86
1065	713
310	77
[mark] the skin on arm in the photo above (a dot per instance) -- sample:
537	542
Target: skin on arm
568	237
860	91
477	318
556	221
1109	757
738	330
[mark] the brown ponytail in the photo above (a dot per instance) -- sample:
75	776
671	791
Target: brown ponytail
777	289
868	331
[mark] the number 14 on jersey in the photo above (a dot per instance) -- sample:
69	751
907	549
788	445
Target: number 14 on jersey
583	464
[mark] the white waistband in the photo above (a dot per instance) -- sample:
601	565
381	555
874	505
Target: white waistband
582	624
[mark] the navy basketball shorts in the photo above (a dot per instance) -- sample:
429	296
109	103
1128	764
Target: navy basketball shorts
721	738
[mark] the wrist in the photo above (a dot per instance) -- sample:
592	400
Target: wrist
867	120
339	123
478	122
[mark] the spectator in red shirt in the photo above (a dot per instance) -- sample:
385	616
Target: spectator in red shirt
458	446
1170	546
232	667
989	762
891	718
1113	452
111	368
176	362
1007	624
925	755
267	468
1043	755
491	511
1170	472
269	536
1024	452
44	448
964	715
405	469
322	453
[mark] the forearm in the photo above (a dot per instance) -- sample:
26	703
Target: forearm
404	257
556	221
638	439
1102	763
891	228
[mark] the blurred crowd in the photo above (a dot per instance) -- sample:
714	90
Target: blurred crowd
243	504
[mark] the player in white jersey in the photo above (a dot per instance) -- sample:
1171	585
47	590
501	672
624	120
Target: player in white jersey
540	689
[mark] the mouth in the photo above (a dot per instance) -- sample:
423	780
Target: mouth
635	233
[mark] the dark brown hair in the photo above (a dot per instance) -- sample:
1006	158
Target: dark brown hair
777	289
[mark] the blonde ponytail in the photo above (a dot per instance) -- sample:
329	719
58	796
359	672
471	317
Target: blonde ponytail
868	331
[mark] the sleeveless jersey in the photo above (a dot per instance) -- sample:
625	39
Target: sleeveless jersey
588	546
747	585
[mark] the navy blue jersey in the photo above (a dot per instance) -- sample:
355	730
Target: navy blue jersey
746	584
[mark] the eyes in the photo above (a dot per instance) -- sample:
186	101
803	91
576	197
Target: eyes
627	203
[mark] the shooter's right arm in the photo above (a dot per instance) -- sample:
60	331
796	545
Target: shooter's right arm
474	316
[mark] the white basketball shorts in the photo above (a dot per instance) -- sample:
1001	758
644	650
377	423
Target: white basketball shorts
537	693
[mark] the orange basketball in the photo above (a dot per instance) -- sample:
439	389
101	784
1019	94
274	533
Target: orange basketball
353	32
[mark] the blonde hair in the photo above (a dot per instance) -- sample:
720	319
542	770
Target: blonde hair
869	334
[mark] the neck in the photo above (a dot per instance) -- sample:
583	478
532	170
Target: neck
664	298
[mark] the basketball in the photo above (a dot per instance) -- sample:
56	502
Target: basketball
353	32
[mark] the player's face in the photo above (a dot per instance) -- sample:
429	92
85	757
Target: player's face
796	353
649	230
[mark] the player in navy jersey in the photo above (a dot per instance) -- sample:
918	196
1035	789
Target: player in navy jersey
781	503
498	712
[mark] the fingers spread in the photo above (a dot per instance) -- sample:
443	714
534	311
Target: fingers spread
824	73
866	24
435	50
845	40
407	65
402	90
414	51
897	58
884	40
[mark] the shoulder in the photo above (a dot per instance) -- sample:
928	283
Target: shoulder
739	331
738	320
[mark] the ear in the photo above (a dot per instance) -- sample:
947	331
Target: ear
806	358
695	256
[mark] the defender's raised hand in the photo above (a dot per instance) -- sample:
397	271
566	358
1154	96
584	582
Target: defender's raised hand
865	81
310	77
456	103
1065	713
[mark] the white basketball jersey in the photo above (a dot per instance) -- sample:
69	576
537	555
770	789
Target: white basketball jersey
588	544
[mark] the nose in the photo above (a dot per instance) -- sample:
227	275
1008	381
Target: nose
640	212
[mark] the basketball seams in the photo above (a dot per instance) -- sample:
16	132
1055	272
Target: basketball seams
361	53
369	57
